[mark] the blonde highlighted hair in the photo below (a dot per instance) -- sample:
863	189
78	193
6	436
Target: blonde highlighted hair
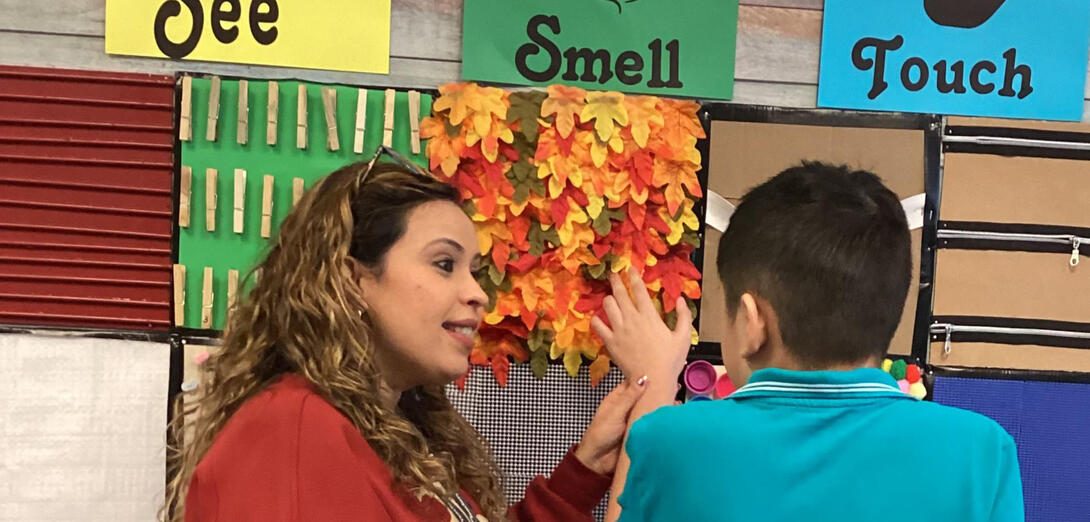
303	317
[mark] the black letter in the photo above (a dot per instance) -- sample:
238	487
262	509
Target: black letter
656	64
919	64
526	50
170	9
879	62
629	61
674	81
1012	71
219	15
974	77
573	55
264	37
958	85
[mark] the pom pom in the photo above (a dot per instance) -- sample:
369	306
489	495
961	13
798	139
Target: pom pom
898	369
912	373
886	365
200	358
905	387
917	390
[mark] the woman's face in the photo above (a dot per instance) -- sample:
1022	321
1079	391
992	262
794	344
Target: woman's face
427	304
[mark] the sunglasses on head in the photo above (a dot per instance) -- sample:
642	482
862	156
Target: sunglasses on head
398	158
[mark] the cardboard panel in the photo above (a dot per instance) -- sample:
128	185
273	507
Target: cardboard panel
1012	357
1000	189
1026	285
82	429
744	154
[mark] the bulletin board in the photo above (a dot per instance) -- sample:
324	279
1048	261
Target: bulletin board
749	144
277	155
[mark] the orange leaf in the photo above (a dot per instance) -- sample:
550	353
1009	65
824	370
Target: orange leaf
501	250
642	112
500	367
599	369
565	102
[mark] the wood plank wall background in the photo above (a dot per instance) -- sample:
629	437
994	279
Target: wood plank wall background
777	61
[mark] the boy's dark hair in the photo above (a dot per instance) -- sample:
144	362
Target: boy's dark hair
828	247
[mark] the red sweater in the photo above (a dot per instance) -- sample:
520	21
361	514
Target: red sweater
288	456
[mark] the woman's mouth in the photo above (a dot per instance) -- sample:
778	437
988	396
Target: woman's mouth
461	333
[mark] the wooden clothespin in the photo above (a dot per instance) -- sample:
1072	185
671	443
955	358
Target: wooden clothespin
296	190
232	288
361	121
243	134
274	113
301	119
206	299
388	119
266	206
414	120
185	192
240	199
185	122
329	101
213	109
179	295
211	197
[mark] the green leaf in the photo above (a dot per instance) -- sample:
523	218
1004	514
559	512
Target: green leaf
691	237
469	207
536	237
597	271
525	148
670	319
540	339
489	288
539	363
537	185
452	130
552	236
523	170
522	193
525	108
602	224
495	275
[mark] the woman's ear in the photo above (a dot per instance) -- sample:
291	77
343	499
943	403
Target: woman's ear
359	277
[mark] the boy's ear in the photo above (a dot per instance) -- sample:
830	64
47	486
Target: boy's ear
755	324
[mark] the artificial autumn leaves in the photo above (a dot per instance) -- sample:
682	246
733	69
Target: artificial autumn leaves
565	186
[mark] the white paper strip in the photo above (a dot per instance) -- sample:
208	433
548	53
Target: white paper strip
719	212
914	210
82	428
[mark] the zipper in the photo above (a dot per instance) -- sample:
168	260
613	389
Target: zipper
1076	242
947	330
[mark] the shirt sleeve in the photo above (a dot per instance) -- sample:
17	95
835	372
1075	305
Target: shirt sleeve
569	494
1009	504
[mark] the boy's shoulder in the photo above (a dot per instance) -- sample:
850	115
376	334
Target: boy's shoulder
931	417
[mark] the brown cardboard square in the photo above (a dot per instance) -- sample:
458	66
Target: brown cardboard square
1012	357
1025	285
998	189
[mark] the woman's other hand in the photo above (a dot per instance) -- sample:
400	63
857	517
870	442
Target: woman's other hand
600	447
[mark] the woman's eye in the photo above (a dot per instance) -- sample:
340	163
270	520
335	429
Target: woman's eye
446	265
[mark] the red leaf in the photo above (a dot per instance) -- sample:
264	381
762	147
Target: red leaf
523	264
461	382
637	213
600	248
500	366
520	230
559	209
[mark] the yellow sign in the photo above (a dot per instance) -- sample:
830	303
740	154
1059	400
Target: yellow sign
338	35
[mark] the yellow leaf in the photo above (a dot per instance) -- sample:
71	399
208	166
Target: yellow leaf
555	351
595	207
605	108
572	361
459	99
564	102
642	112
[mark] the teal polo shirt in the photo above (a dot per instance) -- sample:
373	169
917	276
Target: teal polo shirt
820	446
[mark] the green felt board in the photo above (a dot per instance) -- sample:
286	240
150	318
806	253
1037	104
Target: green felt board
223	249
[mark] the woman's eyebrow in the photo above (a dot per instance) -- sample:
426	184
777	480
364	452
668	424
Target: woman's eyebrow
446	240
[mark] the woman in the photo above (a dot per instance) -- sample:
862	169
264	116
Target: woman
326	400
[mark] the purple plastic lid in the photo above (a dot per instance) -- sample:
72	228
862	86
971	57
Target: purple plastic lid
700	398
699	377
724	386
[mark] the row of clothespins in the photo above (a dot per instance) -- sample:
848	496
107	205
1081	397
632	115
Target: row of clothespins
211	178
329	103
207	294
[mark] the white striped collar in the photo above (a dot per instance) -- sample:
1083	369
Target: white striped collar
858	383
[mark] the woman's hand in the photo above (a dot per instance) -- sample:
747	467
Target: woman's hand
600	447
638	340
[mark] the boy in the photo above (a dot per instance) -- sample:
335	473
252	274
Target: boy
815	267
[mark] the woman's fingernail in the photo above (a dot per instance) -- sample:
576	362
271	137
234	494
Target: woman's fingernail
641	381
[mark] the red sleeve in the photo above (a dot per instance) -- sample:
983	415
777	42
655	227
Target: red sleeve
569	494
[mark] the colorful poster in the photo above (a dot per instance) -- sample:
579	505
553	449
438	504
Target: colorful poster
337	35
1005	58
668	48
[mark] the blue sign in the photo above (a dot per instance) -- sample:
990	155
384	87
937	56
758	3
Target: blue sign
1004	58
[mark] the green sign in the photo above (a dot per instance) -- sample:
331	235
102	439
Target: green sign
662	47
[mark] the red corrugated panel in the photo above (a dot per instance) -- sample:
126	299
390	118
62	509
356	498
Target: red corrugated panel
86	161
